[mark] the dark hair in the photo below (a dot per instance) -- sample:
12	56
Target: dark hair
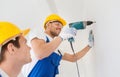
4	47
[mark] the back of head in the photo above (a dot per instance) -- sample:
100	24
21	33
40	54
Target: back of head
54	17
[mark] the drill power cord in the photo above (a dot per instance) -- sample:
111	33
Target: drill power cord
76	58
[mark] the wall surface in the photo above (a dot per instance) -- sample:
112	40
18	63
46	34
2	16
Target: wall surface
106	13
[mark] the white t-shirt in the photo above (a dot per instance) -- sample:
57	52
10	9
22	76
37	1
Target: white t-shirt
33	34
3	74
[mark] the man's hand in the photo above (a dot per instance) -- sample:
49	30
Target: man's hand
91	39
67	33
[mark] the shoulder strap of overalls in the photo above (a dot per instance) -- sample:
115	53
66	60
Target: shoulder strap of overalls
49	41
0	75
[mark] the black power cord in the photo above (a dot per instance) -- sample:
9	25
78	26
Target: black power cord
76	58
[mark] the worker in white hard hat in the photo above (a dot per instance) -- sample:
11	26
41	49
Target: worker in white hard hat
45	47
14	52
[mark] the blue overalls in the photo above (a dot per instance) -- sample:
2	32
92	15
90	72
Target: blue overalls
47	67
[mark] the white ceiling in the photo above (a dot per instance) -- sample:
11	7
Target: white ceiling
70	9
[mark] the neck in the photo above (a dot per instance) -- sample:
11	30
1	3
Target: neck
47	32
12	70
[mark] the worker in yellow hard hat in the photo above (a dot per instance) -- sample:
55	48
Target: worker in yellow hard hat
14	52
45	47
54	17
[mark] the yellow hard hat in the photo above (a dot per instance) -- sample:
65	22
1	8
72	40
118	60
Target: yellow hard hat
54	17
8	31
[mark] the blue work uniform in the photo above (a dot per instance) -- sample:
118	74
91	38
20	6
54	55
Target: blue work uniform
47	67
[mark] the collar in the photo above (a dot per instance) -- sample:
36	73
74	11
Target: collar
50	38
3	73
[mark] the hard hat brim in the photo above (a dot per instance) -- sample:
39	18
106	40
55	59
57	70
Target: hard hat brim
25	32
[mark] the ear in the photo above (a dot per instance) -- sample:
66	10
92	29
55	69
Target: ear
48	25
11	48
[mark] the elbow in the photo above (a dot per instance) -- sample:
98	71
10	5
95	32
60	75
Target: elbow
40	56
43	54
